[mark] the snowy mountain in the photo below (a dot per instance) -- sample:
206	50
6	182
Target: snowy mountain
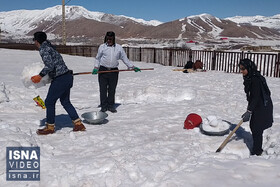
261	21
22	22
85	26
205	26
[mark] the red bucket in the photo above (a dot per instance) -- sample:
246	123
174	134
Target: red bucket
193	120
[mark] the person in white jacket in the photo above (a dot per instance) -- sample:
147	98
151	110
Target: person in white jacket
107	59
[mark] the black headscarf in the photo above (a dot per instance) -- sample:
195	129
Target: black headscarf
251	67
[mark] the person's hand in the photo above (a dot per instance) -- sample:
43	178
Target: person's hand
246	116
94	71
36	78
136	69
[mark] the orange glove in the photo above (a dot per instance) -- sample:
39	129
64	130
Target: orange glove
36	78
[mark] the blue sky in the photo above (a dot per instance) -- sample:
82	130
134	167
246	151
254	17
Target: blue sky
162	10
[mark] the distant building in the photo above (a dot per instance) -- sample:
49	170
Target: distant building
223	38
257	48
190	41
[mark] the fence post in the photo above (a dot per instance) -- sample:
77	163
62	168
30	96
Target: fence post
77	51
170	58
83	49
277	63
140	55
190	55
242	55
155	54
213	65
127	52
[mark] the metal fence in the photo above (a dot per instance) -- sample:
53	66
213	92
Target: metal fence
267	63
79	50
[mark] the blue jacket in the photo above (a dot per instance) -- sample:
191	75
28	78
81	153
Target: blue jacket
54	63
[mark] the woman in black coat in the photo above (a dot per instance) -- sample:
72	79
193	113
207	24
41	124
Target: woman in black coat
260	108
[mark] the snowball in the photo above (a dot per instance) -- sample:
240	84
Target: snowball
214	124
270	151
31	70
210	118
212	121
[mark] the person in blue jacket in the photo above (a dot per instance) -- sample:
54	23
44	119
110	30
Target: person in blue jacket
62	82
260	108
107	59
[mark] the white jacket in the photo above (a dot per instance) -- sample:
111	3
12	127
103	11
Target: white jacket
108	56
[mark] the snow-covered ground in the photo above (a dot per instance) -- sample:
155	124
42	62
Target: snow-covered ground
144	143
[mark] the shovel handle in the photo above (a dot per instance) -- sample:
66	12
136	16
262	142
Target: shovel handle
109	71
229	136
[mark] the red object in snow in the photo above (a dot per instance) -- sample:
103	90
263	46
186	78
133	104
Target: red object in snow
191	41
193	120
224	38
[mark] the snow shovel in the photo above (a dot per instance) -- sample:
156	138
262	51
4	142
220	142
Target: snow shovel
229	136
109	71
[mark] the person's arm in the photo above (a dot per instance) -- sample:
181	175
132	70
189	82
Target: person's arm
125	60
255	94
97	61
49	65
98	57
255	98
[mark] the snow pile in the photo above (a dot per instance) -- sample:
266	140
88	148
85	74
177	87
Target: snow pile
214	124
31	70
156	94
3	93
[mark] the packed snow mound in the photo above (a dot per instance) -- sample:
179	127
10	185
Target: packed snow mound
212	125
3	93
31	70
156	94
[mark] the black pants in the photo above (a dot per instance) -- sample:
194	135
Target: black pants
257	142
107	87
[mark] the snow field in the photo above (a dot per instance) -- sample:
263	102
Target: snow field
144	143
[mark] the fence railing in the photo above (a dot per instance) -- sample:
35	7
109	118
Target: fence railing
79	50
268	63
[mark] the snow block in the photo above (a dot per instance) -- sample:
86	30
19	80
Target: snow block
31	70
214	126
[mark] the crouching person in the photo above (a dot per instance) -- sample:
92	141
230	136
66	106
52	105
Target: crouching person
198	65
62	82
